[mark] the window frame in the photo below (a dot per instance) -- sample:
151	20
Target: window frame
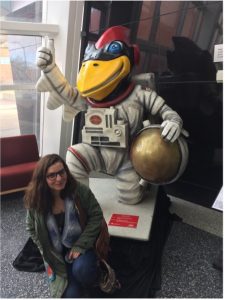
26	29
67	36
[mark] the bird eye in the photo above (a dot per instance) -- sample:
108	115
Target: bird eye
115	47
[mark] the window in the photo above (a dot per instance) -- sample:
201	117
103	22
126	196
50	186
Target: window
169	17
45	18
190	21
157	63
19	101
145	24
95	20
22	11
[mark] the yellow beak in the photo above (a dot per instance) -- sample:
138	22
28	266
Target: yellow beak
97	78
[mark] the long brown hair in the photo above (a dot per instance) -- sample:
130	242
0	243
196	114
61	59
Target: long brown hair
38	195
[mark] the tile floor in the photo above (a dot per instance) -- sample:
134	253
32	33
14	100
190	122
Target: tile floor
15	284
209	220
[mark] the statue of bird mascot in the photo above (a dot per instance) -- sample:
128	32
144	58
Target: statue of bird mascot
115	108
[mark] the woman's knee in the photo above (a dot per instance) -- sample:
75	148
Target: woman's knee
73	290
85	268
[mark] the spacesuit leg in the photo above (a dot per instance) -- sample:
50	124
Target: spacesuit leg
127	183
118	164
82	159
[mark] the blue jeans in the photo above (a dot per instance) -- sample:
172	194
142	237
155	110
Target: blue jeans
82	273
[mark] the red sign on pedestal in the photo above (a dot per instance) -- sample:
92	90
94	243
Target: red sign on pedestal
124	220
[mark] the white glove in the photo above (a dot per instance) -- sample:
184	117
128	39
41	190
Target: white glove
45	57
170	130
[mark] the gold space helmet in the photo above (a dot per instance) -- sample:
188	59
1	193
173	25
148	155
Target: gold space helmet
158	161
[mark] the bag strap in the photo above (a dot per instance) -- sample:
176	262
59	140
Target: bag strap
111	276
102	244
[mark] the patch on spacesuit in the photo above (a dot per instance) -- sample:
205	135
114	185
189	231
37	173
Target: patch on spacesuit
103	128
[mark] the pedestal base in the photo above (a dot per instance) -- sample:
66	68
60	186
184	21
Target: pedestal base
126	221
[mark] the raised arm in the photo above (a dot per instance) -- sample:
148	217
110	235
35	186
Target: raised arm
53	81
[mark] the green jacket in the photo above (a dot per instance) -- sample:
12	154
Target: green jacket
35	225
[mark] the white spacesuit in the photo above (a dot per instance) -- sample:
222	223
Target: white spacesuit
110	125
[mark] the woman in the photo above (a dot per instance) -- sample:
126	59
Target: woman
64	220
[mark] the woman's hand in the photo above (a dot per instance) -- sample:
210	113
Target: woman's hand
73	255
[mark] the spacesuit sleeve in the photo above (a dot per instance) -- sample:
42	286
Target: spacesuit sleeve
53	81
172	122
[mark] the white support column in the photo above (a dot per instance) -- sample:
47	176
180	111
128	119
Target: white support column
72	63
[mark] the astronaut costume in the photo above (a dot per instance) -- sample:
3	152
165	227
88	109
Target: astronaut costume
115	109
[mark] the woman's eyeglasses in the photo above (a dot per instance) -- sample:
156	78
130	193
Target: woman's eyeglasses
53	176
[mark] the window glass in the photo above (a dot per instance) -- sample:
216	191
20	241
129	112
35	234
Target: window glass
95	20
190	21
17	59
169	17
157	63
145	26
23	11
19	113
19	107
6	69
140	67
9	125
19	103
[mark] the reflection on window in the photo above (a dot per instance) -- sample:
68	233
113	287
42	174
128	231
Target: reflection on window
190	22
168	22
6	68
158	63
19	107
23	11
147	12
18	59
9	125
95	20
140	67
19	113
